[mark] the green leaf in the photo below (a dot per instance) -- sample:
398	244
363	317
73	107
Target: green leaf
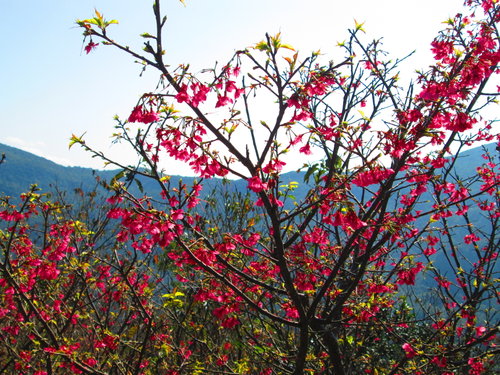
309	172
74	139
338	162
262	46
118	176
92	21
287	46
259	349
359	26
139	185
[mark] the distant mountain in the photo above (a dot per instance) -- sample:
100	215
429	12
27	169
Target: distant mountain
21	169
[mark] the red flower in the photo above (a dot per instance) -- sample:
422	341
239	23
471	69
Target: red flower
412	115
230	323
231	86
136	114
294	101
301	116
199	94
408	276
441	49
149	117
139	115
439	361
372	177
470	238
89	47
480	330
432	92
91	362
306	149
222	101
476	366
255	184
182	95
410	352
48	272
461	122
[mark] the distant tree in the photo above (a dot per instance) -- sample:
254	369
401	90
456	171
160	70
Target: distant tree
74	301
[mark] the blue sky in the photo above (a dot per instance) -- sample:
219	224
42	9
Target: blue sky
51	89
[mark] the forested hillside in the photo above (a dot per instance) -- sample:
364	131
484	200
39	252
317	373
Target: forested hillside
21	169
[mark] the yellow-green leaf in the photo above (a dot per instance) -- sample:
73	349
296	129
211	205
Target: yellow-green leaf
74	139
262	46
287	46
359	26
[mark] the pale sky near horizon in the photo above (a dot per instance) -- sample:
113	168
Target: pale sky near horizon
51	89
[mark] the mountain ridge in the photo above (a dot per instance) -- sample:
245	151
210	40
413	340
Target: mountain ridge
20	169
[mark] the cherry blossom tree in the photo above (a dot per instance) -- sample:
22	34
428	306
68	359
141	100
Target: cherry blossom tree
326	272
74	300
341	279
